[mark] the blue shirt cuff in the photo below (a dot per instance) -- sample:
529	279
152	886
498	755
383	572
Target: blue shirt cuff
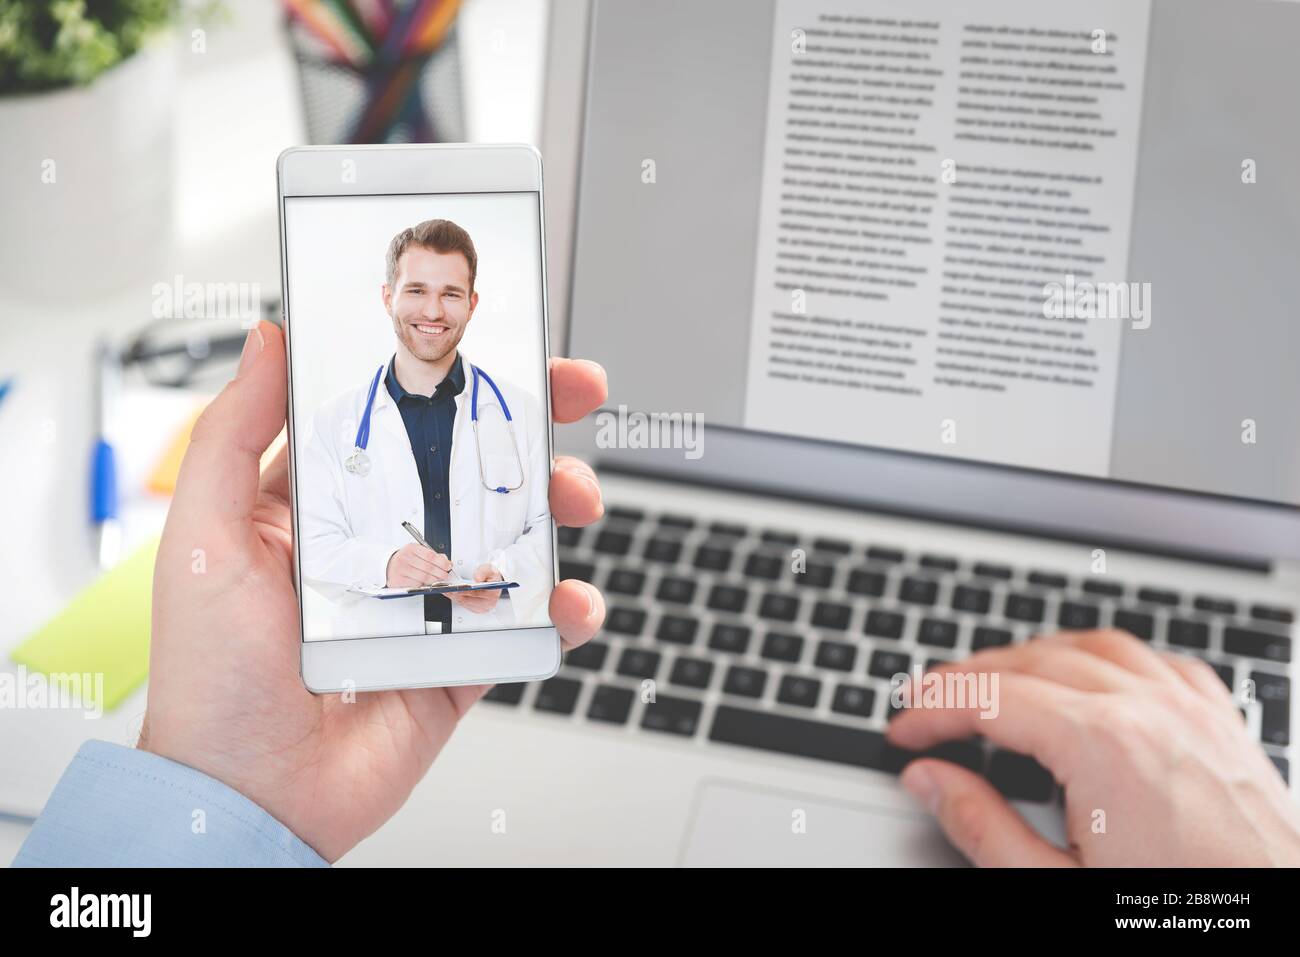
120	807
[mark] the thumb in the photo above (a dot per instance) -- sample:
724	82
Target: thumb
219	476
977	819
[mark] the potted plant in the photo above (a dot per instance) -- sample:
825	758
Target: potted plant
86	125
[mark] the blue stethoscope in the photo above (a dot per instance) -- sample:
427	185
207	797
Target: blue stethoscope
358	463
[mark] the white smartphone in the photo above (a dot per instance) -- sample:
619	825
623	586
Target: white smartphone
420	436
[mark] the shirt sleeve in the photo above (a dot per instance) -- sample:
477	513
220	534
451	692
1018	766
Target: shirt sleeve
119	807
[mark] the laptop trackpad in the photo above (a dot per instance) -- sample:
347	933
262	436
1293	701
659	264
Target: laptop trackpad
740	826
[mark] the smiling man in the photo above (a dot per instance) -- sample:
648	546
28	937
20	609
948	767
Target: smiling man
399	450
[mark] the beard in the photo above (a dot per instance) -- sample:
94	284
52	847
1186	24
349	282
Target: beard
423	347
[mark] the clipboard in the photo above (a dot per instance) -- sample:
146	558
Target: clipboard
441	588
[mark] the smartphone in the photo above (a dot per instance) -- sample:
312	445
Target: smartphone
419	421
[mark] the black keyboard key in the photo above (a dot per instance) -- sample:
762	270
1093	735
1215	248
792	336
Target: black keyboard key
940	563
731	598
863	581
511	693
609	704
1019	777
1273	692
691	672
831	614
590	656
990	570
779	607
1101	586
558	695
743	681
836	656
1025	608
763	566
851	699
972	599
1225	673
834	546
1188	634
1138	623
774	537
568	536
1047	579
676	521
884	624
728	529
918	591
1256	644
799	691
713	558
891	556
625	513
1283	616
1077	615
811	739
625	581
986	637
782	647
730	638
886	664
1215	606
1283	767
672	715
677	629
968	753
815	575
625	621
1158	596
583	571
639	663
678	590
936	632
612	542
667	550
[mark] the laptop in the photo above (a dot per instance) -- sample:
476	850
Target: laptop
833	233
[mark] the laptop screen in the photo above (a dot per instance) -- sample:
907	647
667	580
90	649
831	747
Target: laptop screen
1050	237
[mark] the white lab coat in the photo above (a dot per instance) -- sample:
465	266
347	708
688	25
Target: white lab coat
350	525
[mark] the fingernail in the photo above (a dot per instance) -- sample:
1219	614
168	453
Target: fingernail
919	782
252	349
591	601
595	486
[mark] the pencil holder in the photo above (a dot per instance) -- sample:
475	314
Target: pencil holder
415	99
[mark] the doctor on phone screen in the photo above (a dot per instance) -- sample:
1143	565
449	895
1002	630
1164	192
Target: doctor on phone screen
429	438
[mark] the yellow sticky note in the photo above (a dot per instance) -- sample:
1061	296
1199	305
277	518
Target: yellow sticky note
162	480
104	630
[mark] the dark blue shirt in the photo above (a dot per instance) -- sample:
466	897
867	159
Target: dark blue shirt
429	421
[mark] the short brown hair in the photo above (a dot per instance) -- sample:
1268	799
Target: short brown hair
440	235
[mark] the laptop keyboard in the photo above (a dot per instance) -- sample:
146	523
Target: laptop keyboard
742	650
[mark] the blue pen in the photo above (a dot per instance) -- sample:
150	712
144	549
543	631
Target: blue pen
103	465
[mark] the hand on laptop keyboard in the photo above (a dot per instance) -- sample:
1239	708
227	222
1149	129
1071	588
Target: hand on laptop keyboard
1154	758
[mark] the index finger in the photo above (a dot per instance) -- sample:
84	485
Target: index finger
1028	715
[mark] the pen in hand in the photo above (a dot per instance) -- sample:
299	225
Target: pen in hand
419	540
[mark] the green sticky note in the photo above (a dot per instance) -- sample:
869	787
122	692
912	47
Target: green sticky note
104	630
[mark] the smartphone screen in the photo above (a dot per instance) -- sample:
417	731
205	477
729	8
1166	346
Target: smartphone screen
421	420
